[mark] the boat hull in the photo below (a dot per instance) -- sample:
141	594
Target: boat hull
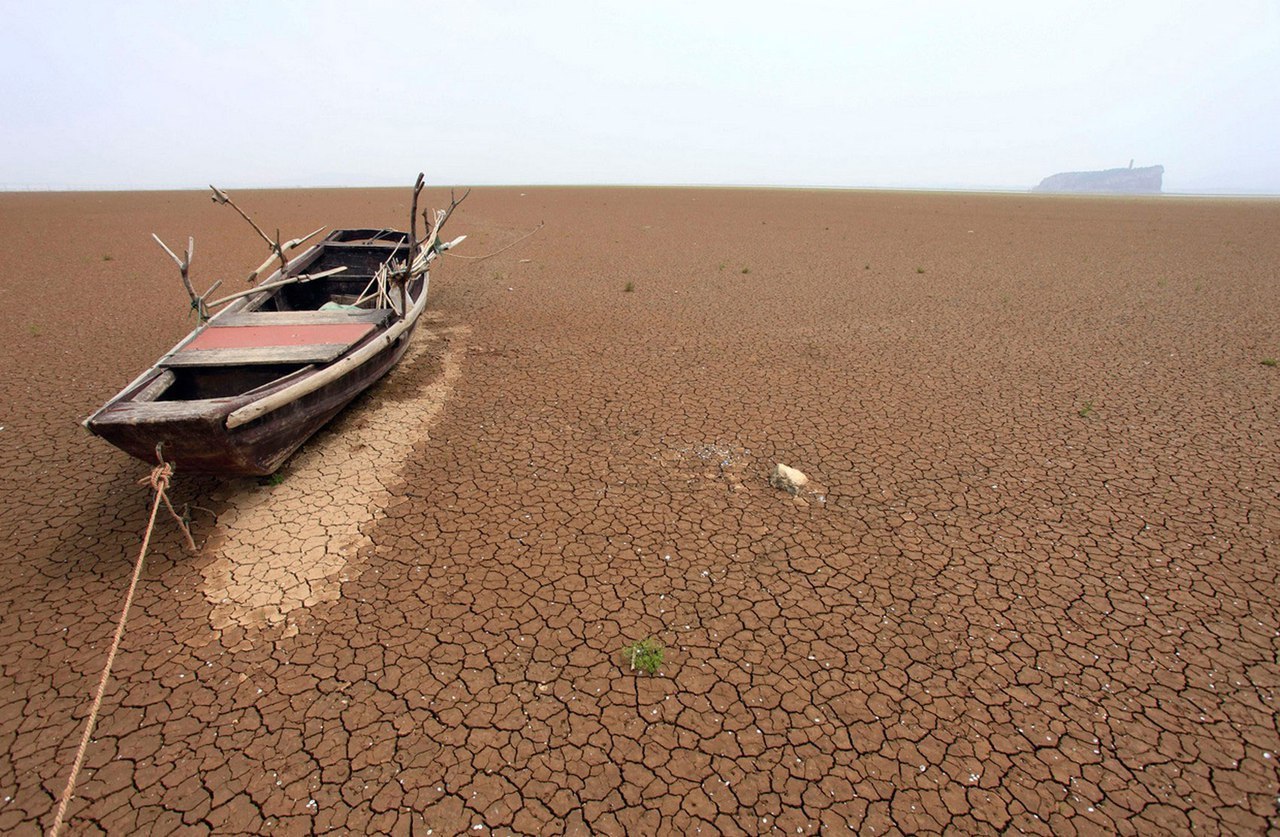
242	392
193	436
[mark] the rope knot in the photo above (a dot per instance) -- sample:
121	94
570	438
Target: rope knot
159	477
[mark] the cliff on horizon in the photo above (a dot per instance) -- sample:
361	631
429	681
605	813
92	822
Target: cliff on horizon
1142	181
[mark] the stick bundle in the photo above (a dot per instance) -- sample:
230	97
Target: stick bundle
389	273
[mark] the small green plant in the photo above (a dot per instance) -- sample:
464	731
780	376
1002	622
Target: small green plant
746	270
275	479
630	288
108	258
1086	410
33	330
645	655
722	265
919	270
1268	361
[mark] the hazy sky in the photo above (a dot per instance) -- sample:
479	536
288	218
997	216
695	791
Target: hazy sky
883	94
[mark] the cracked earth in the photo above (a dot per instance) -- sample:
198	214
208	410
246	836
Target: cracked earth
1031	586
291	547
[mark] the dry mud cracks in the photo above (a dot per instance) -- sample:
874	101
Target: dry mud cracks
1032	585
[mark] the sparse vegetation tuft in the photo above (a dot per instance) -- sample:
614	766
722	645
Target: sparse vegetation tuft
1268	361
645	655
108	258
1086	410
630	288
919	270
746	270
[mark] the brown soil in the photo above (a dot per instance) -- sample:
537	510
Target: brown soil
1031	585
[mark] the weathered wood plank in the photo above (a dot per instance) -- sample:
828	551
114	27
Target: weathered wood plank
314	353
259	336
150	412
153	390
376	316
384	244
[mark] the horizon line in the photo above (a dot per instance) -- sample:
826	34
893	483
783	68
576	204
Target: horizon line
21	188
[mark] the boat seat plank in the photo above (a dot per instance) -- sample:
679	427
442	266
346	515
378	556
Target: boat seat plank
256	355
366	244
377	316
258	344
258	336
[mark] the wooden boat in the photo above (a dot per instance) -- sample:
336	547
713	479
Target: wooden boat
244	390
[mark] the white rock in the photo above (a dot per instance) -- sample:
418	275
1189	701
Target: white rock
788	479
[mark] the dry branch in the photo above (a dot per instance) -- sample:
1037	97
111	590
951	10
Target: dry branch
299	279
277	249
432	244
413	245
289	245
223	198
184	267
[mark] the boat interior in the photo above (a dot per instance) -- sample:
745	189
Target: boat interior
361	252
291	331
194	383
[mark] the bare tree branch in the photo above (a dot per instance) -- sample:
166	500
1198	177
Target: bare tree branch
413	218
421	252
432	241
278	253
278	250
413	244
223	198
184	268
299	279
297	242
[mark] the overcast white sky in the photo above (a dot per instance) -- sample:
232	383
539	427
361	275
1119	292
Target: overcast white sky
882	94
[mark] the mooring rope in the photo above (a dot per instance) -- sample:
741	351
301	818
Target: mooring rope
159	480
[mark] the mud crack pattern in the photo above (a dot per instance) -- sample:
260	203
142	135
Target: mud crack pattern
291	547
1032	587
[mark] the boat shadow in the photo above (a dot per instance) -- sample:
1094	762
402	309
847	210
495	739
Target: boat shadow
103	523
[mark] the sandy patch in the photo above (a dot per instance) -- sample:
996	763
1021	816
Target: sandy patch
291	545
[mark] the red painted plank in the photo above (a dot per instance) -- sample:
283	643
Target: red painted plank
245	337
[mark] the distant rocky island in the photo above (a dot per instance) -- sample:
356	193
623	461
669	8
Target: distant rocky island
1141	181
